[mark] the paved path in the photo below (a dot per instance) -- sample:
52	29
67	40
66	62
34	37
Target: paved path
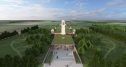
65	59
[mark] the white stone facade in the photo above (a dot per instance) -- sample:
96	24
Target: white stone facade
63	30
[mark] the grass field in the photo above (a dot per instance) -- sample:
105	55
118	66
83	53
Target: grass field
11	28
63	39
13	46
21	25
5	47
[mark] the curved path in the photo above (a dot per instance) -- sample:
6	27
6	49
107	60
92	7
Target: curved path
110	50
12	46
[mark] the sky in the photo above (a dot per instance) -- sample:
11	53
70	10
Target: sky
62	9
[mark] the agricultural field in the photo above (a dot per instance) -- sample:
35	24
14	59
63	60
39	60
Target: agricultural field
21	25
11	28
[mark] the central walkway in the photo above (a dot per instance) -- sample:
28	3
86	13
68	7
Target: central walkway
63	57
63	49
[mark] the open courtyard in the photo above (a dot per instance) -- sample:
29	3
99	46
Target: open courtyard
63	57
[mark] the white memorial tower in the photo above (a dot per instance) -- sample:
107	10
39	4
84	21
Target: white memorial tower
63	32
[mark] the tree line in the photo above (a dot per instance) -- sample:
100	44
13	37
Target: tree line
7	34
28	29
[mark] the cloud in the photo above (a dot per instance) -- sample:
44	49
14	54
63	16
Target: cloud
19	10
16	10
34	12
12	2
10	11
117	3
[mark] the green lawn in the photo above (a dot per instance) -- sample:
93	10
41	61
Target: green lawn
5	47
63	39
13	46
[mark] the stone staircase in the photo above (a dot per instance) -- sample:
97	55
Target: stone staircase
63	64
65	59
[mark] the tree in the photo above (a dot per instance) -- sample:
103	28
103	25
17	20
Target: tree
97	60
8	61
123	61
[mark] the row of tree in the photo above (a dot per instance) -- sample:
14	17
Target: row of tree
89	45
6	34
40	40
29	29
